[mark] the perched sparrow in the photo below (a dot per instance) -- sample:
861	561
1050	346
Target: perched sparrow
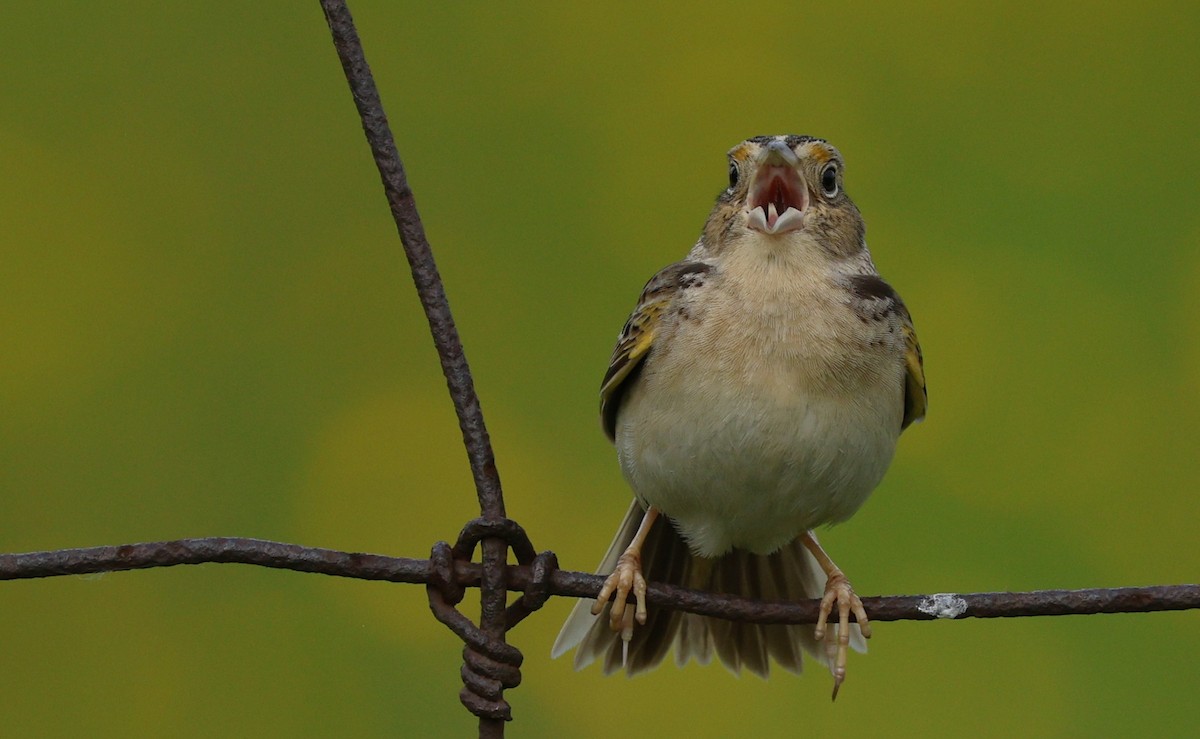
757	392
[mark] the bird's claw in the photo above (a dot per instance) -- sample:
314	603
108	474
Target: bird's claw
625	578
838	590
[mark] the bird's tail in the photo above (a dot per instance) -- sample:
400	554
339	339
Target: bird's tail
790	574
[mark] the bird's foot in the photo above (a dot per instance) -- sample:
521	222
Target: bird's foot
838	590
625	578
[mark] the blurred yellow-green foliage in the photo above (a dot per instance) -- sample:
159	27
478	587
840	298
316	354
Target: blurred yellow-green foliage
207	328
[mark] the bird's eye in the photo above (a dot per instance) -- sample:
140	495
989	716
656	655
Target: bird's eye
829	183
733	174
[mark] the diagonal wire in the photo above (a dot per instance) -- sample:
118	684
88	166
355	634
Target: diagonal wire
420	257
437	310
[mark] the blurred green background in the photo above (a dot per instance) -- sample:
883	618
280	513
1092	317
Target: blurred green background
207	328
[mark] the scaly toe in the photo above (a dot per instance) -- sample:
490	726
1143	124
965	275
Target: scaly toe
839	591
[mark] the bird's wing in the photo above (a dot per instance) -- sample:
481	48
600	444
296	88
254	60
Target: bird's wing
637	337
874	299
915	395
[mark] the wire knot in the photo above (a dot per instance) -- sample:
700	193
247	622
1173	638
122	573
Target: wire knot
490	665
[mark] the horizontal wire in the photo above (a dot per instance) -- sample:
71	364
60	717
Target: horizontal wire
565	583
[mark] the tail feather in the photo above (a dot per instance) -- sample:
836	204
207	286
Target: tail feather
789	574
581	620
783	641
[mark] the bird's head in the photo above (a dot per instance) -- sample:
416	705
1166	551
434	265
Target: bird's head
785	189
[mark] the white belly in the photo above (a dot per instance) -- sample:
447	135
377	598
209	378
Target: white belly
752	471
749	440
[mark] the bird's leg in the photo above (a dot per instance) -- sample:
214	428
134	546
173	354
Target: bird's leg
837	589
626	577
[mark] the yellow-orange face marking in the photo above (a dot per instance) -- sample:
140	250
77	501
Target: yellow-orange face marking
816	151
741	152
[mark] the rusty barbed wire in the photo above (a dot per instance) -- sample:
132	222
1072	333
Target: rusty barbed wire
565	583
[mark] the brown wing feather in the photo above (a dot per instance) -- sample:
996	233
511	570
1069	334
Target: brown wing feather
915	395
876	300
637	337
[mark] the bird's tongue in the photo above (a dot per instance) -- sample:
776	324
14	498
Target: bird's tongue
777	201
782	192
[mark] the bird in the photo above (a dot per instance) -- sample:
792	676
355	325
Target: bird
757	392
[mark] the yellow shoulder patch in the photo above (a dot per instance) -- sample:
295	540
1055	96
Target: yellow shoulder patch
637	338
635	341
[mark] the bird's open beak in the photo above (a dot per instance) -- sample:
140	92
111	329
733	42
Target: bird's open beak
778	197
